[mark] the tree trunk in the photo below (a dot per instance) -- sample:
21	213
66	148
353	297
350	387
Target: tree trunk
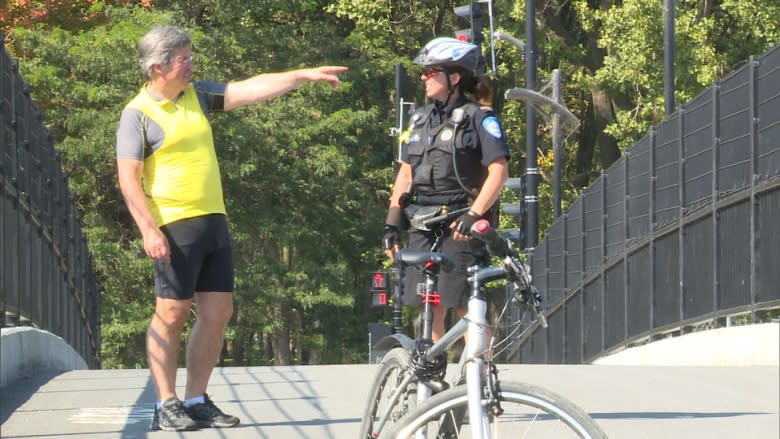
280	336
268	349
238	347
603	116
586	146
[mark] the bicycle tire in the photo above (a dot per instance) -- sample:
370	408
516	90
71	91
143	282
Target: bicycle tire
532	411
390	375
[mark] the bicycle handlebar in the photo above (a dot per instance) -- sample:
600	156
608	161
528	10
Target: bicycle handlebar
499	246
496	243
516	271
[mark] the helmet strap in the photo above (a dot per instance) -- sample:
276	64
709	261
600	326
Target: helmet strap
450	88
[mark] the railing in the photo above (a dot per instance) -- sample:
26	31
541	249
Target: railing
46	275
683	230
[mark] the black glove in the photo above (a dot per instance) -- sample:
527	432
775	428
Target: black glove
464	222
391	238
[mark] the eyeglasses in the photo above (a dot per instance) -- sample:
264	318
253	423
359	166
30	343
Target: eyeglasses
183	59
430	73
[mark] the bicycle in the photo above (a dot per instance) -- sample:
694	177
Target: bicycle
404	404
393	373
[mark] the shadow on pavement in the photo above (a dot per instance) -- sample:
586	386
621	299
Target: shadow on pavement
672	415
17	393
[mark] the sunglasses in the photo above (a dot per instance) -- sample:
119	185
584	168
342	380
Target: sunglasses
430	73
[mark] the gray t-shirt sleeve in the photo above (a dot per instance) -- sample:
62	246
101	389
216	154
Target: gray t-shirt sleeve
130	141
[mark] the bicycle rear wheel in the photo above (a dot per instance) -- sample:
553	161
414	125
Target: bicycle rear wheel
394	368
520	411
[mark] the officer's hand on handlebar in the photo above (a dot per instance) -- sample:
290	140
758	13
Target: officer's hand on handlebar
461	227
391	241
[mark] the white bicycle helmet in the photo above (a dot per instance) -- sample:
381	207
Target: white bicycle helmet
449	52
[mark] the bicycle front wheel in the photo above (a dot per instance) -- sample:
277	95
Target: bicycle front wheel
391	379
519	411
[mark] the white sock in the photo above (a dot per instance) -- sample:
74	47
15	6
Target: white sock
159	404
192	401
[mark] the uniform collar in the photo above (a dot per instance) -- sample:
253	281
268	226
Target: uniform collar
458	102
441	112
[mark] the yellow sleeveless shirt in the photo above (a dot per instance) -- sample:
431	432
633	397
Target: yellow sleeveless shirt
181	178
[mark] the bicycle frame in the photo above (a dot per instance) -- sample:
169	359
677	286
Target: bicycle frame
473	325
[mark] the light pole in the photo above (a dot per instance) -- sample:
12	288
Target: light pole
668	57
563	124
532	171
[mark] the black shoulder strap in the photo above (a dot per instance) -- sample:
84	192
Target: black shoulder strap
470	108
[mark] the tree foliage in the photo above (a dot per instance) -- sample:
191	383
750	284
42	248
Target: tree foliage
306	175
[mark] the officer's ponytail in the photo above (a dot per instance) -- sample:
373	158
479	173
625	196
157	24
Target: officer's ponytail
484	92
479	88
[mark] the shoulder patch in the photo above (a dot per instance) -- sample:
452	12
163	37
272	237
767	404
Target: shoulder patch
491	125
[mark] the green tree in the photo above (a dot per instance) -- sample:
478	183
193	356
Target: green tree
300	262
306	176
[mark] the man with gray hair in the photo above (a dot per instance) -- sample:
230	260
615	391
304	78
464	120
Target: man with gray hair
169	177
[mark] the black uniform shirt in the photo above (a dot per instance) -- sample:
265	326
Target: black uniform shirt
482	138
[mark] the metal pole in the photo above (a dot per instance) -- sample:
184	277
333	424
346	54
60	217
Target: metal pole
530	121
399	72
668	57
399	117
492	45
556	144
398	279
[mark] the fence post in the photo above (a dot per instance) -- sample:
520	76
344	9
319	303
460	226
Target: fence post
715	197
626	259
754	205
603	250
681	215
652	226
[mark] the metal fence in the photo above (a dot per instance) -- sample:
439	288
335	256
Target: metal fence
683	229
46	274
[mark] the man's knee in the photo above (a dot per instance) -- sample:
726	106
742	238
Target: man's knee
173	313
214	308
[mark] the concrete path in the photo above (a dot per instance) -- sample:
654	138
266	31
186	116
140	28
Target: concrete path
314	402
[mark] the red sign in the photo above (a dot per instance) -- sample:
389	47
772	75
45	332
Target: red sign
379	298
379	281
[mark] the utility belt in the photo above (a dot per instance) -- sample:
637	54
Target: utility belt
427	218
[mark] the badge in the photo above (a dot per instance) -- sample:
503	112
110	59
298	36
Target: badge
446	135
491	125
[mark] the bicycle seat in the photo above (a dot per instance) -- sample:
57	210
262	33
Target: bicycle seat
412	257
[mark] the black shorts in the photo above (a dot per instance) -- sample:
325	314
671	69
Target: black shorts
201	258
453	287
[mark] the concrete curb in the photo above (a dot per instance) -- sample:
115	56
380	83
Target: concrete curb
25	351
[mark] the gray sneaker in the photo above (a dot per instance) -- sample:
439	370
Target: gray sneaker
206	414
172	417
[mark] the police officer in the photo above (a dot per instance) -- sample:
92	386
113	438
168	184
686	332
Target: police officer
455	156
